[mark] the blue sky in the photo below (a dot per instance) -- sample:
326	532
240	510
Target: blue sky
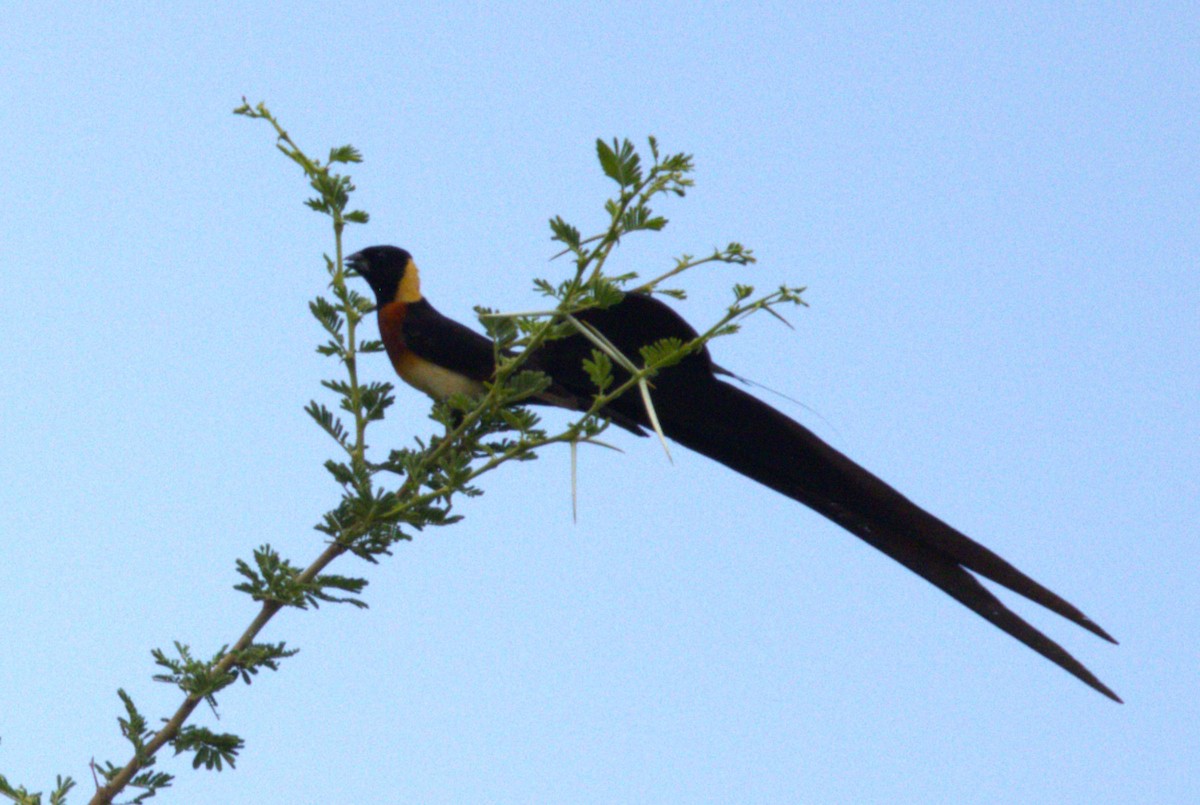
995	212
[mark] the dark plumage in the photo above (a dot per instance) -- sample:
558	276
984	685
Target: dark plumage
704	413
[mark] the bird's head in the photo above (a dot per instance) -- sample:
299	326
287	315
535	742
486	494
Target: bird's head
389	271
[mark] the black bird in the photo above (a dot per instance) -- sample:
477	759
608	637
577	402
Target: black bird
704	413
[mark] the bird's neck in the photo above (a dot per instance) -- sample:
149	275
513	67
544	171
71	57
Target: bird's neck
409	290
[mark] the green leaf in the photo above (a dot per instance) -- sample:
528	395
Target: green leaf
662	353
620	162
346	153
639	218
328	422
499	328
63	785
606	294
329	315
375	399
211	749
256	656
525	384
565	233
276	580
599	369
340	472
151	782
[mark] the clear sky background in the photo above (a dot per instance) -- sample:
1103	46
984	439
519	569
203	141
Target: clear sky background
995	212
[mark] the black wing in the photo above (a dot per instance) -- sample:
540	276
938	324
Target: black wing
447	343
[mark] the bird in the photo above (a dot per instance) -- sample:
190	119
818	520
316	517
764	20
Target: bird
696	408
436	354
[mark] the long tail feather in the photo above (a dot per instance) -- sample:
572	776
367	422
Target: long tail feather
753	439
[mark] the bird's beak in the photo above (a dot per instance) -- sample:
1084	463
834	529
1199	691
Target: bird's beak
358	264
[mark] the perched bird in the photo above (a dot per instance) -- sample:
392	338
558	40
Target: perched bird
700	411
436	354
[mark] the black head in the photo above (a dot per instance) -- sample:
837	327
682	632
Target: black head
388	270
